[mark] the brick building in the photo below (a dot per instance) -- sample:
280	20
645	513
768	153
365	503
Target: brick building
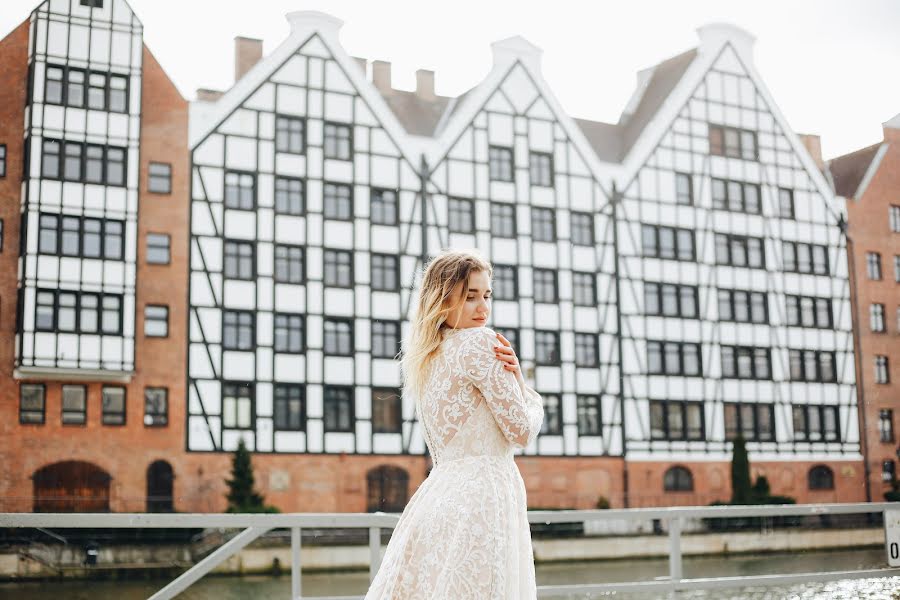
670	281
870	181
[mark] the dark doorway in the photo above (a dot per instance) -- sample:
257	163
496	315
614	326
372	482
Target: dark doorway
71	486
160	479
388	489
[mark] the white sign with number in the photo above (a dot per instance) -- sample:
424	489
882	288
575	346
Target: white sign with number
892	536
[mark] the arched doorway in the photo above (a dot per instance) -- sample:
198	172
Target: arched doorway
71	486
388	489
160	479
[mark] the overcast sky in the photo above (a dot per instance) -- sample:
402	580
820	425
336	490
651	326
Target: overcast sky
833	66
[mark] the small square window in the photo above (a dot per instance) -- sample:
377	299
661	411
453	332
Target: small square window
113	404
240	190
156	321
338	201
288	333
289	135
158	248
156	407
92	3
384	207
461	216
159	178
338	141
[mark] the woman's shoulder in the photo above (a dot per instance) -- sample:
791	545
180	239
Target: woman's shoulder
481	338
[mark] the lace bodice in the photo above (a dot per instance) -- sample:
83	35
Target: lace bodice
471	405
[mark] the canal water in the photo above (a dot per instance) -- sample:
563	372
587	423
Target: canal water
278	588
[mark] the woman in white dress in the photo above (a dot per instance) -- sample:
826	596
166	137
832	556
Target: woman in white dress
464	534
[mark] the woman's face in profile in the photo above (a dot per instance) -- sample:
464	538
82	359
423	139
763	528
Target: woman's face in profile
476	308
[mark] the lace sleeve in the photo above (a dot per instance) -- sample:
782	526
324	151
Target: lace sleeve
518	412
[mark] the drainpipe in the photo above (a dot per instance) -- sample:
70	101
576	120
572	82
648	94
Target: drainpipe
617	279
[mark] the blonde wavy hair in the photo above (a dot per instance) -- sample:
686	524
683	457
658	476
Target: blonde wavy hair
438	297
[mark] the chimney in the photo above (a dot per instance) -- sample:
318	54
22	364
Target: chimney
208	95
247	52
361	63
381	76
813	145
425	84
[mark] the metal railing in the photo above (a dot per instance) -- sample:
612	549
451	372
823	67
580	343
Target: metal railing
255	525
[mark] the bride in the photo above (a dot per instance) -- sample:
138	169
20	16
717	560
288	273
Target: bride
464	534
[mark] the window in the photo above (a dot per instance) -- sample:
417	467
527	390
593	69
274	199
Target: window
552	424
821	478
111	314
50	152
238	405
74	88
676	420
156	321
673	358
743	306
815	423
805	258
289	135
74	404
540	168
752	422
785	203
812	365
894	218
290	407
113	405
384	207
118	93
543	225
338	141
671	300
882	374
736	196
461	216
338	268
159	178
115	166
873	265
240	190
105	91
500	163
897	268
503	220
92	3
338	409
96	91
158	248
584	289
78	312
746	362
54	85
732	142
510	334
678	479
888	471
86	163
289	264
740	251
589	421
81	236
667	242
71	236
886	425
546	347
387	416
1	235
156	407
239	260
582	228
385	272
545	286
586	350
338	337
804	311
876	318
505	282
385	339
338	199
238	330
2	160
288	333
684	189
93	163
31	404
289	196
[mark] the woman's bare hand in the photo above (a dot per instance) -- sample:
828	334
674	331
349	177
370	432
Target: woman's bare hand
506	354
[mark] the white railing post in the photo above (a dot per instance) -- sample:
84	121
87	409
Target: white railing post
374	552
296	570
675	574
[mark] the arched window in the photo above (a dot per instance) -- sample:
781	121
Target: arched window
388	489
71	486
159	487
678	479
821	478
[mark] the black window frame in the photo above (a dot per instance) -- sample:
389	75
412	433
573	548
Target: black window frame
232	256
797	312
503	220
287	258
335	201
110	417
66	84
882	369
741	351
160	182
288	333
382	396
753	432
329	397
786	196
238	391
804	358
733	299
32	416
669	350
536	285
69	415
584	295
338	268
385	272
804	433
385	336
243	320
678	236
460	215
583	405
583	342
582	228
2	161
501	159
153	240
334	349
541	219
886	425
666	429
681	197
546	356
335	137
163	309
723	149
553	422
385	201
728	202
816	258
283	124
156	418
77	309
283	396
539	165
74	227
238	199
290	201
505	282
655	294
678	478
820	478
727	242
59	160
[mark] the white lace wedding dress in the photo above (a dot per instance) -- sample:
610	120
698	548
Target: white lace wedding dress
464	534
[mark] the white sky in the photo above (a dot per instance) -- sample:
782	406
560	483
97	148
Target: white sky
832	66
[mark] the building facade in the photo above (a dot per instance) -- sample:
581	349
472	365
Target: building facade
869	179
670	281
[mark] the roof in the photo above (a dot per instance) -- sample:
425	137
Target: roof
605	138
419	116
848	170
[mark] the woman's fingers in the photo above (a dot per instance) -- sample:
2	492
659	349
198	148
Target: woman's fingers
505	341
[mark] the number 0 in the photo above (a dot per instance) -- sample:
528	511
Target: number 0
894	549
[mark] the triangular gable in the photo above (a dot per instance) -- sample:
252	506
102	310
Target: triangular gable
308	29
515	57
709	54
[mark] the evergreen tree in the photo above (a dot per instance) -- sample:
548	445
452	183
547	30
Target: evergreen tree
241	496
740	473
